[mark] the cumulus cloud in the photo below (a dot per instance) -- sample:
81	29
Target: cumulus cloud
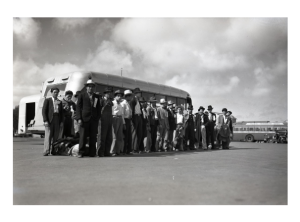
28	76
26	32
67	24
108	58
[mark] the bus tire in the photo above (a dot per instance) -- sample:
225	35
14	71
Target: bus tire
249	138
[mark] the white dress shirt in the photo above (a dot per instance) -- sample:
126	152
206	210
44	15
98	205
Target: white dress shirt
127	109
117	110
55	105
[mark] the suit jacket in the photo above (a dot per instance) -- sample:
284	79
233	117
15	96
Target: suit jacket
221	122
48	110
214	119
186	118
132	104
85	110
172	120
198	121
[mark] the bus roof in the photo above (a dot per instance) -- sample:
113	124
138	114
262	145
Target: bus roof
120	81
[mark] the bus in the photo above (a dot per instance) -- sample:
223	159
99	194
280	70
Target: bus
30	112
256	130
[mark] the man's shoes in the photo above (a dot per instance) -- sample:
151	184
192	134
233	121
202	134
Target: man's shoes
80	156
112	155
45	154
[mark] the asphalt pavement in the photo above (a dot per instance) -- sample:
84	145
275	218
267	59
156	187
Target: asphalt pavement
246	174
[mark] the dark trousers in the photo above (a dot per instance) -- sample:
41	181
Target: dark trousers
190	135
153	137
128	137
137	132
105	138
210	134
88	129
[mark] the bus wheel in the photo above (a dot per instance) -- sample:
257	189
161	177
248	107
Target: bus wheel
249	138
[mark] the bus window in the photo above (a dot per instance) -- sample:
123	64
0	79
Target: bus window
250	129
61	87
180	101
159	97
173	99
263	129
257	129
147	95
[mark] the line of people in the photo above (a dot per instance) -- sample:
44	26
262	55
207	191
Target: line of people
124	123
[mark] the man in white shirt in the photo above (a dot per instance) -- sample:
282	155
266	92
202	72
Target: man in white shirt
118	124
153	122
128	122
178	139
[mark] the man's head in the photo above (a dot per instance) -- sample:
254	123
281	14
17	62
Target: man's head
201	110
90	86
179	109
163	103
190	110
228	113
209	108
170	104
68	95
54	92
128	95
152	101
224	111
118	95
137	92
108	92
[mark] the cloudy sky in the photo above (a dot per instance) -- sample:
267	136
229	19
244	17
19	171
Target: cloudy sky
237	63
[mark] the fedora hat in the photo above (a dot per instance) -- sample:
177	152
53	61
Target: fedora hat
201	107
190	107
224	109
119	92
210	107
152	99
229	112
127	92
137	90
90	82
142	100
108	89
170	102
162	101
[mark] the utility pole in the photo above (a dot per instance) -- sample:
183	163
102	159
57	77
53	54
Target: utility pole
121	71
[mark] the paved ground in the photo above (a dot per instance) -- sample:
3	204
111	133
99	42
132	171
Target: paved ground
248	173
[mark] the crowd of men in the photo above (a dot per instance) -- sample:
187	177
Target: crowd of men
124	123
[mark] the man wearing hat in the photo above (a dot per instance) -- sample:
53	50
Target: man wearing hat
128	122
146	126
153	122
69	108
224	129
76	126
210	128
162	133
201	123
118	124
179	132
189	126
172	124
137	132
104	138
88	115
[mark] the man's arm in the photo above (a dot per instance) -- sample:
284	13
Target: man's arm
45	110
79	108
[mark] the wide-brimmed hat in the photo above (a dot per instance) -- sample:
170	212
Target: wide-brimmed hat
127	92
152	99
119	92
229	112
201	107
170	102
224	109
209	107
90	82
108	89
137	90
162	101
77	93
142	100
190	107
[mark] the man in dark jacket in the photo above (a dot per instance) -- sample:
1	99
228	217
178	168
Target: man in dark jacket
104	139
201	123
210	128
88	113
52	116
172	124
